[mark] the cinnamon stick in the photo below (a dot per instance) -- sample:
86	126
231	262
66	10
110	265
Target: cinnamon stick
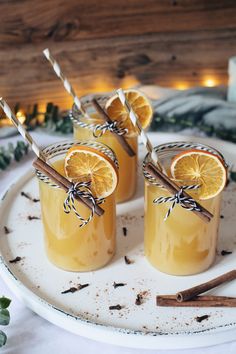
173	188
198	301
190	293
120	138
63	182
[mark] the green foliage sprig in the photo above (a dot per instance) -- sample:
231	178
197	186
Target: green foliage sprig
4	318
12	152
177	124
53	119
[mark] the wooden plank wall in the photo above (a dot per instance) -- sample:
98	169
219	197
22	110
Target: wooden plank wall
102	44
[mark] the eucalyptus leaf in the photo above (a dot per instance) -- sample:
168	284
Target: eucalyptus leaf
4	317
4	302
3	339
233	176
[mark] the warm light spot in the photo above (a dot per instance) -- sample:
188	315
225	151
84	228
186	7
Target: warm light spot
20	116
129	81
210	82
42	107
102	84
181	85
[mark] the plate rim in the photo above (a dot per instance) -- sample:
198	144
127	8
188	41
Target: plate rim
81	326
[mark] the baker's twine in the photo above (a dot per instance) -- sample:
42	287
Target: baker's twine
100	129
80	189
180	199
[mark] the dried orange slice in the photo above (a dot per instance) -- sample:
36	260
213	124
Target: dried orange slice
83	164
200	167
140	105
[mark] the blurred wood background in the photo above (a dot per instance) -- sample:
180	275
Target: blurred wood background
101	45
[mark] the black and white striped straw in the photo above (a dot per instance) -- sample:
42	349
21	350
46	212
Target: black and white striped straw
65	81
143	135
74	190
7	110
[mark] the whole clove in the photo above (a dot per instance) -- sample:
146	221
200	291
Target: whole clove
15	260
32	217
201	318
139	299
6	230
127	260
124	231
73	289
26	195
225	253
115	307
116	285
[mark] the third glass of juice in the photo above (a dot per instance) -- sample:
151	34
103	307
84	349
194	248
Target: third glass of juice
183	244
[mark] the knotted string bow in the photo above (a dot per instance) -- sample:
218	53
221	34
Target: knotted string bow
180	199
114	127
81	189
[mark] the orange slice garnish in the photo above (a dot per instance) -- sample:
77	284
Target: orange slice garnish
200	167
140	105
83	164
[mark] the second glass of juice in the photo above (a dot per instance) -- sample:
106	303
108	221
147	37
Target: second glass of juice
183	244
68	245
127	164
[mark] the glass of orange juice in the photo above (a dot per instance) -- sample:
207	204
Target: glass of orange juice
84	130
182	243
68	245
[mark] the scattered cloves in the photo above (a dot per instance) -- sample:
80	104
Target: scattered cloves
115	307
124	231
6	230
26	195
116	285
225	253
15	260
127	260
138	300
32	217
201	318
73	289
141	297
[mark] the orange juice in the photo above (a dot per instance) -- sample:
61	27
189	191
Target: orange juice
183	244
69	246
127	164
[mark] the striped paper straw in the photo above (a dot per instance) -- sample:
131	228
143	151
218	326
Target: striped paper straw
65	81
136	123
7	110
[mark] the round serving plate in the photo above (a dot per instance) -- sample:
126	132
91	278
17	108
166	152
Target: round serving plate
86	312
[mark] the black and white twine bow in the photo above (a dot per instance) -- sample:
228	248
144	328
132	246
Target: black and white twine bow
81	189
179	198
113	127
100	129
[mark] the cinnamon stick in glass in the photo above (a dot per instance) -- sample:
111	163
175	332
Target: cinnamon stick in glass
190	293
173	188
64	183
120	138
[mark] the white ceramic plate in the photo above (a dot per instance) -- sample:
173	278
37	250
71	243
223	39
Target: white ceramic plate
39	284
